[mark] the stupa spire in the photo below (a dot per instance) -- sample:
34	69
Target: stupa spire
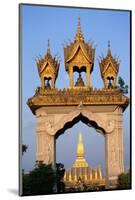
80	146
80	138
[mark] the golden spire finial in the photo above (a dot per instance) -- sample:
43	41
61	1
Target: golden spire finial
48	47
79	34
79	24
80	146
109	44
109	48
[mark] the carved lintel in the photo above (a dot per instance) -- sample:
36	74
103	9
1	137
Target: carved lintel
52	128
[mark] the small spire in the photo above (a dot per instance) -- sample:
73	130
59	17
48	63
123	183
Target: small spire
79	24
79	34
109	48
109	44
48	48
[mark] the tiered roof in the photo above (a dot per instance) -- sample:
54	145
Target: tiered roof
53	62
79	42
109	59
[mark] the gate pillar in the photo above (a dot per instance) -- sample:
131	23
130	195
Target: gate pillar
114	150
45	142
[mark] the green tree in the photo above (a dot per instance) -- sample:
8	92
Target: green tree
124	181
122	86
41	180
121	82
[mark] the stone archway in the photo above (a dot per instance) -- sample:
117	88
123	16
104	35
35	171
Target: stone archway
110	124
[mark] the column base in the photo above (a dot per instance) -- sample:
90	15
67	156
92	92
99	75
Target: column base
111	182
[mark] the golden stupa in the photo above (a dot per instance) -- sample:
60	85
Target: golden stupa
81	173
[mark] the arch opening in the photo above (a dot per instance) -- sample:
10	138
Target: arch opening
110	80
94	145
79	75
48	82
82	118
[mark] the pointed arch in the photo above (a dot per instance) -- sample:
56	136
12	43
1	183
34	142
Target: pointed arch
87	117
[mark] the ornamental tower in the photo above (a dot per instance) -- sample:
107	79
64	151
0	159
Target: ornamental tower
109	68
79	57
48	68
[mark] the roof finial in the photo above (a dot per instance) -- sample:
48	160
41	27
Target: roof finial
48	47
79	24
109	48
79	35
108	43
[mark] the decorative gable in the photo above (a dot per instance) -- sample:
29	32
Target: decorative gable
79	57
48	71
110	70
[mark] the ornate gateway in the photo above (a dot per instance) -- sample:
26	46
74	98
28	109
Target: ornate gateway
56	109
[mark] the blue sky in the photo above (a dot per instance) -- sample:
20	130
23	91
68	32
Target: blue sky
59	24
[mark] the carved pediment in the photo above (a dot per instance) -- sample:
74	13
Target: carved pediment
110	69
47	70
79	55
